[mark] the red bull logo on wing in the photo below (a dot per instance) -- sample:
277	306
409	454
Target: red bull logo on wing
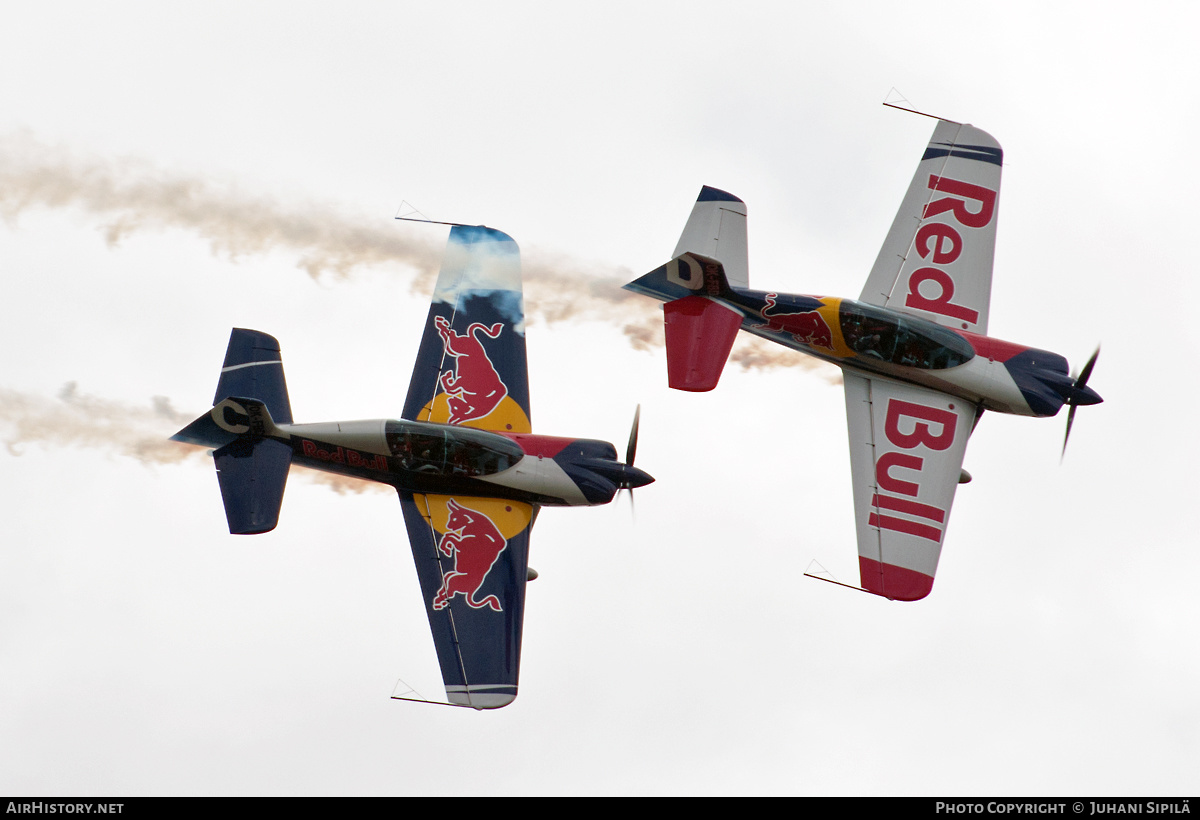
474	389
806	326
474	541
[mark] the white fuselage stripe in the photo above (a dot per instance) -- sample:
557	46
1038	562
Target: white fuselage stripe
248	364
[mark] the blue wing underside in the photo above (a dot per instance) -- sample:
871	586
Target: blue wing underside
474	336
478	646
472	554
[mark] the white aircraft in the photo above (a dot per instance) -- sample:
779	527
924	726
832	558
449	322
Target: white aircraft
918	365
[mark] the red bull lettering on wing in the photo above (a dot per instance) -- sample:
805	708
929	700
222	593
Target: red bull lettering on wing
922	419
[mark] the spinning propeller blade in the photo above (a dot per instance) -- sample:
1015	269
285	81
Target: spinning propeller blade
630	452
1080	394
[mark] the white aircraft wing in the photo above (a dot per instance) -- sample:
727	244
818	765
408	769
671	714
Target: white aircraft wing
936	261
906	451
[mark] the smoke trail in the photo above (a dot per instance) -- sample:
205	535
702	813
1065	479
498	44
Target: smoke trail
760	354
127	196
76	420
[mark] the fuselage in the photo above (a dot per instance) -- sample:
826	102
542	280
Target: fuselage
993	374
442	459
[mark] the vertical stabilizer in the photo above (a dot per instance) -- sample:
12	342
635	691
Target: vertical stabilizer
253	368
252	475
717	229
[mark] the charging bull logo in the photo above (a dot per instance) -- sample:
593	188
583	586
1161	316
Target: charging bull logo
474	389
475	544
806	326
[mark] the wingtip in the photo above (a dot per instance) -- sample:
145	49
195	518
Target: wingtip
479	701
709	194
893	582
471	234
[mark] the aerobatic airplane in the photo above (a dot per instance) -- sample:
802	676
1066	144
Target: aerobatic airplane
470	473
918	366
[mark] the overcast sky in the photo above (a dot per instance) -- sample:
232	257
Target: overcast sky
170	171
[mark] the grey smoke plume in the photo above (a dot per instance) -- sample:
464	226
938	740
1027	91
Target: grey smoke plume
127	196
77	420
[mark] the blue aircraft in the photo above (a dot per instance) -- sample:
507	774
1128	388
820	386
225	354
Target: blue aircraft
470	473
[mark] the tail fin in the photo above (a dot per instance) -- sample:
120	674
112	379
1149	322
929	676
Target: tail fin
252	462
710	259
254	367
717	229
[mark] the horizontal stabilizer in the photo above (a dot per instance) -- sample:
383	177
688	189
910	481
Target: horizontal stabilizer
700	334
252	475
700	331
251	466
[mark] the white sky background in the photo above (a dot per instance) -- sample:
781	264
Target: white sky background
143	650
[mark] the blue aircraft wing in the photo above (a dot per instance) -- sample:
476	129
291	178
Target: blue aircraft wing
472	558
471	368
472	554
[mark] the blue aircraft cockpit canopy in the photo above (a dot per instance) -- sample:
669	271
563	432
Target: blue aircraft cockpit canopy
438	449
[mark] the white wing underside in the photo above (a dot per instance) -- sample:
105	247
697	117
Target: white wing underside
906	451
936	261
